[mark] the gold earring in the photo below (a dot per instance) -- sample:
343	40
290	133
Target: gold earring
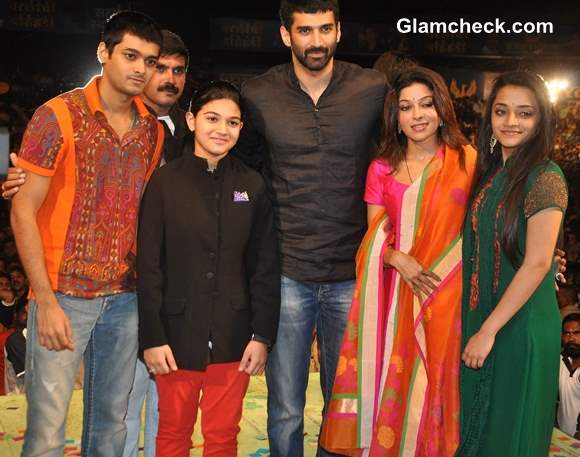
492	143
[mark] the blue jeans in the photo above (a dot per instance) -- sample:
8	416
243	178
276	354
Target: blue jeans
304	306
144	390
105	333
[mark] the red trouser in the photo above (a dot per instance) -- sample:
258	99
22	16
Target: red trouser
222	389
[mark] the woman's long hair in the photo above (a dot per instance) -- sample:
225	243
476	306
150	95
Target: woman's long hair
535	152
393	145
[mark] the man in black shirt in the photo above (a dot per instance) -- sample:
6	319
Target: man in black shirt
162	93
309	127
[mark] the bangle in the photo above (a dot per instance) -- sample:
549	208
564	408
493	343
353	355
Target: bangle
559	277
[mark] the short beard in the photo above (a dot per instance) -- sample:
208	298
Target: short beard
318	64
572	350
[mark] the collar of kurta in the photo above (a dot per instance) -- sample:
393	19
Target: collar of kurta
91	91
200	163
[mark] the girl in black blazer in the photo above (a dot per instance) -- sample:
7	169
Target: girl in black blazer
208	280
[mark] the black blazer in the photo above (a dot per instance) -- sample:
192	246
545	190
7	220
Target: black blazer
181	140
174	145
208	264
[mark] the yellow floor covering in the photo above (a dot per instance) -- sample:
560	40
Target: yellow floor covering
252	440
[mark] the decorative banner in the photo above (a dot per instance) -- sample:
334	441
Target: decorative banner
30	15
359	39
57	16
245	35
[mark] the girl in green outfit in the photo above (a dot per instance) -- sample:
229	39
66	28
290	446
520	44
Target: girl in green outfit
510	319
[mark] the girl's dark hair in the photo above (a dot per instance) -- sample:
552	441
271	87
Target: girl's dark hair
214	90
133	22
535	152
393	145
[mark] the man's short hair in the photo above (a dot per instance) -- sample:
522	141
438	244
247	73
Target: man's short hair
574	317
16	267
289	7
133	22
173	45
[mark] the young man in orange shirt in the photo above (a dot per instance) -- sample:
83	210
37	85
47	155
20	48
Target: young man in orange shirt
88	154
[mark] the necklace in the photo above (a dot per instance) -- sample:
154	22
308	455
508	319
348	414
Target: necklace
422	159
133	114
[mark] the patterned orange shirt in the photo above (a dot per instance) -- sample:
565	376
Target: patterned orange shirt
88	221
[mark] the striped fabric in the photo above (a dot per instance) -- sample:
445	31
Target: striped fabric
396	390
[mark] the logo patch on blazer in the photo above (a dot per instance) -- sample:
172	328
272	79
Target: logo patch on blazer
241	196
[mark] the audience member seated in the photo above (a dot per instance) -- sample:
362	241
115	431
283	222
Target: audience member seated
9	252
7	301
3	337
19	281
569	405
568	300
16	345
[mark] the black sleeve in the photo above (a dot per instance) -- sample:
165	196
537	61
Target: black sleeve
263	269
251	147
6	315
150	266
16	351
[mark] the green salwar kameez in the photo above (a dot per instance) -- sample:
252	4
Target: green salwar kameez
508	406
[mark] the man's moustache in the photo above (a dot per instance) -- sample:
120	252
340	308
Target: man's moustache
311	50
168	88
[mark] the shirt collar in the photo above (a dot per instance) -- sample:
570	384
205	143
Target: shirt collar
337	71
91	91
201	164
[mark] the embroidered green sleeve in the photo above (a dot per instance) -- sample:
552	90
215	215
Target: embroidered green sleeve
549	191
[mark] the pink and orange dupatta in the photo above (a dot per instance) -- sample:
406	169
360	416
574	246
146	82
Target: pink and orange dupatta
396	391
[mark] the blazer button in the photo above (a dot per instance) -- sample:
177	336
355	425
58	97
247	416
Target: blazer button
209	275
212	255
